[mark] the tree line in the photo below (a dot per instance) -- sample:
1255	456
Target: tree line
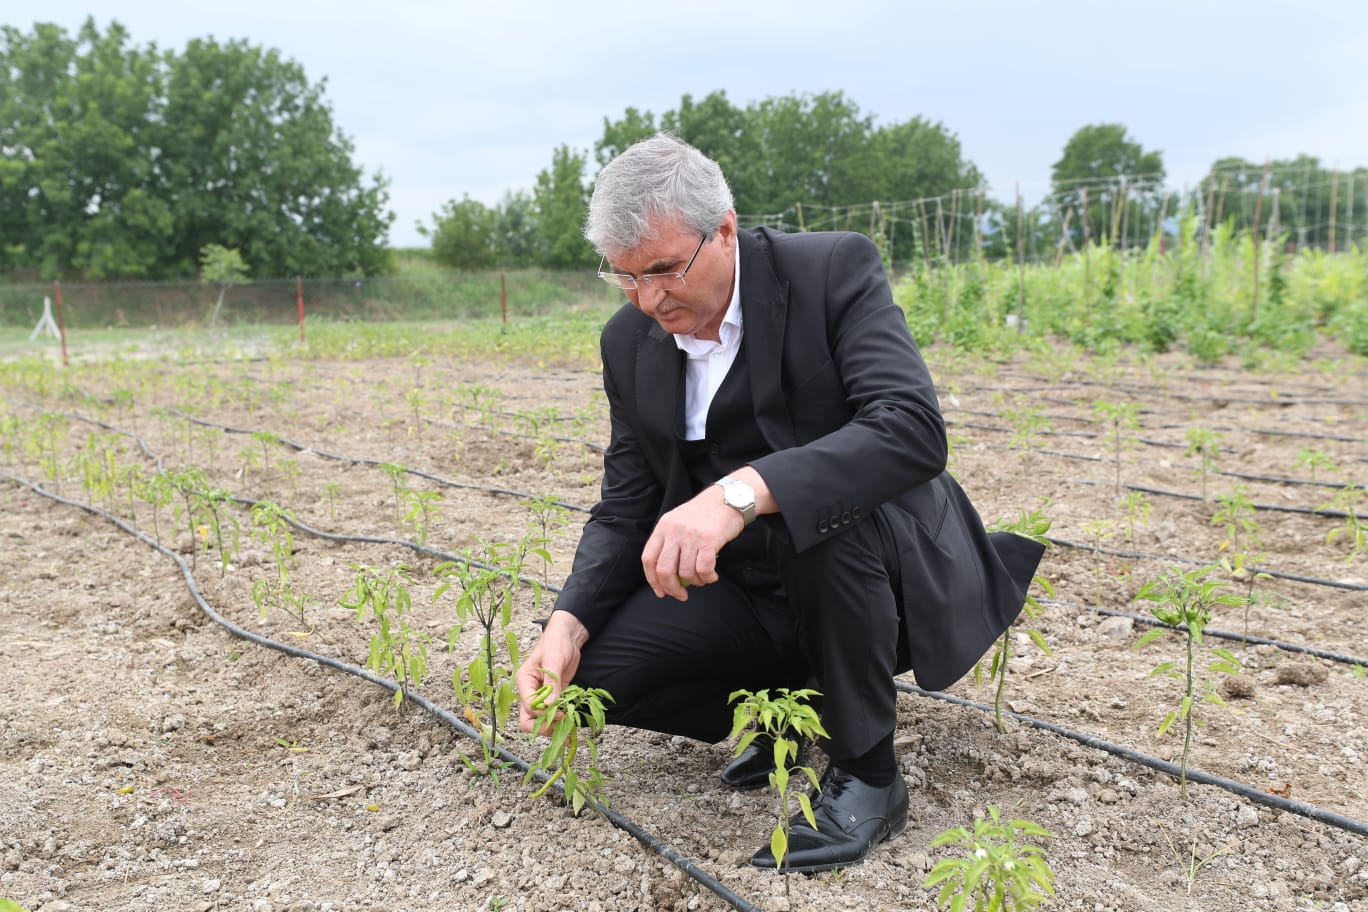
126	161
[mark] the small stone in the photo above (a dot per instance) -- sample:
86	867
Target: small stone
211	886
624	864
501	819
1076	796
1116	628
1237	686
461	876
1247	817
410	760
1083	826
1301	674
172	723
482	876
263	905
1108	796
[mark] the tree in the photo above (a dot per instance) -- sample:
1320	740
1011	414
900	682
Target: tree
561	202
462	235
124	161
223	267
515	229
1118	179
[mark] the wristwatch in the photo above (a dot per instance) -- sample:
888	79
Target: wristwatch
740	495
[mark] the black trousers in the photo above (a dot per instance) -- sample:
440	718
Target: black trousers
832	613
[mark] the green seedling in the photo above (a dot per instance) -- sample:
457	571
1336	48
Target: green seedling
1186	601
488	578
330	491
1034	526
1137	509
1189	862
1313	460
1205	444
549	516
1236	515
1240	568
158	491
1349	499
1002	872
290	469
784	717
1027	425
396	648
267	440
398	476
271	527
423	506
577	716
201	509
415	404
1121	419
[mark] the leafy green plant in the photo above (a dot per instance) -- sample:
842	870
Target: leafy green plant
415	404
1121	419
398	476
549	516
577	715
1348	498
1001	871
1027	425
330	491
422	506
1236	515
1189	862
488	577
396	647
1033	525
1313	459
271	527
1240	568
1186	601
201	508
1205	444
1137	509
267	440
784	717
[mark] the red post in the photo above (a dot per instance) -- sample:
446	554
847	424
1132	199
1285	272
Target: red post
299	301
503	297
61	320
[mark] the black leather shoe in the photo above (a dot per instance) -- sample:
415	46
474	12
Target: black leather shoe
752	768
852	818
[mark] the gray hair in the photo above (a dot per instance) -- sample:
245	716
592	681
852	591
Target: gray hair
660	176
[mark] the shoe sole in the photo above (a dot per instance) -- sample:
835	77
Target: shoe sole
893	830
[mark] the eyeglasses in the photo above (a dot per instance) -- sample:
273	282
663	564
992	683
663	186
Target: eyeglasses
660	281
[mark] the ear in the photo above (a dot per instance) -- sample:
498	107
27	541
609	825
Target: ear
727	230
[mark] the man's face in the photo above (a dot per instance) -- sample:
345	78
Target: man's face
699	305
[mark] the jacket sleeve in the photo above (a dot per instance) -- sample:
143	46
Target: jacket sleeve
878	430
607	566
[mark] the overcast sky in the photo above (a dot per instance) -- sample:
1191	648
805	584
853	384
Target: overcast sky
463	97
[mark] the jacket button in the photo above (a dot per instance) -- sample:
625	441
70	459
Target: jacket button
822	525
715	448
845	517
856	513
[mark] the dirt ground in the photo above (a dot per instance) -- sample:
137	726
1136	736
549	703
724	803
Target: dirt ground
151	761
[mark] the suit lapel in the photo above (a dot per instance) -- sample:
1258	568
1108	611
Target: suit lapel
659	390
764	310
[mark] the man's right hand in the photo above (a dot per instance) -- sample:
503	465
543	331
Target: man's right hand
553	660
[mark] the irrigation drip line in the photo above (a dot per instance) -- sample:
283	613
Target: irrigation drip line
1165	558
1183	495
1219	634
641	834
1153	390
1258	796
361	460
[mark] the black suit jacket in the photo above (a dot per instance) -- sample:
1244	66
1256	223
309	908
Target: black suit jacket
844	399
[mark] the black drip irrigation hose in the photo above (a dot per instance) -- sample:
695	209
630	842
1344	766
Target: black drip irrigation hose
1258	796
360	460
1164	558
1183	495
649	840
1218	634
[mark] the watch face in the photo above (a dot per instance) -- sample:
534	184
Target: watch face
738	494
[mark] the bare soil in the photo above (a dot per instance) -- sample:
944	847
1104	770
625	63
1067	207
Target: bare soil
151	761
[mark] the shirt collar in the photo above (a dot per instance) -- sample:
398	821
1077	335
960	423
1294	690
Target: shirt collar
730	330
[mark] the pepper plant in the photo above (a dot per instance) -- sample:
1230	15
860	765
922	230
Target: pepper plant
1185	601
1349	499
1121	418
271	527
397	647
1031	525
784	717
488	577
1205	444
1237	516
1001	872
576	716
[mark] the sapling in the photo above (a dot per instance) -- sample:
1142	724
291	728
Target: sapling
1001	872
1313	459
1348	498
1027	424
271	527
396	648
1186	601
575	716
1240	568
488	578
549	516
1032	525
1205	444
415	404
784	718
422	507
398	476
290	469
1137	509
1236	515
266	439
330	491
1120	418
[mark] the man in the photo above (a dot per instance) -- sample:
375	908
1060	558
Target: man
775	507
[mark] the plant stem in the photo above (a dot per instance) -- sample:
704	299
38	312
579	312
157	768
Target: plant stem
1002	681
1187	721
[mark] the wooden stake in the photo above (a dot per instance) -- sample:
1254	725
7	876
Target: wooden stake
1254	239
1021	267
1334	186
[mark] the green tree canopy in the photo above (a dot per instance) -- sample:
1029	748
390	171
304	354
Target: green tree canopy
123	161
1103	166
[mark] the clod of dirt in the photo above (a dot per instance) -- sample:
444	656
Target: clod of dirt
1301	675
1239	686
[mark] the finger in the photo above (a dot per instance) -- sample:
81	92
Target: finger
706	564
650	555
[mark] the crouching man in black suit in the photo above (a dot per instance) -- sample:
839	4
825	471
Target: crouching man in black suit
775	507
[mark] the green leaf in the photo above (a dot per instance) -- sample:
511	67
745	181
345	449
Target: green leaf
1168	721
805	804
779	845
1149	636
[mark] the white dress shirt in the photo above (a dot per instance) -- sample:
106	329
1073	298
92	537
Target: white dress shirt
709	362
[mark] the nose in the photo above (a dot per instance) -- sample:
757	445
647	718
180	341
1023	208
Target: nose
649	297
